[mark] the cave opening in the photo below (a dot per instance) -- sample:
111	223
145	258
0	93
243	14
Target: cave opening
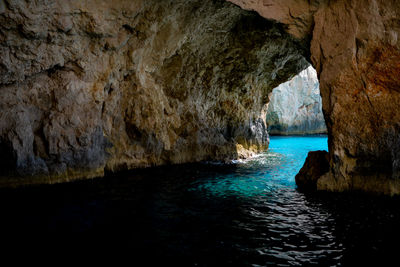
295	107
174	92
296	126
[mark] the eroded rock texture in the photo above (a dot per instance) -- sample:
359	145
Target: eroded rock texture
297	15
316	165
360	82
88	86
295	107
355	49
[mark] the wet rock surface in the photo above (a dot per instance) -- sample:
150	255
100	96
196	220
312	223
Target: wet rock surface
89	86
295	107
316	165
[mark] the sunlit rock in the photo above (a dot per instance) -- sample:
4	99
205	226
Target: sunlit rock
295	107
354	47
88	86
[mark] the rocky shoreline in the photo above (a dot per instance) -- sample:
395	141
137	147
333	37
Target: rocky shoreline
87	88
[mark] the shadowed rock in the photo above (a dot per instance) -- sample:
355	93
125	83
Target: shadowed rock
316	165
355	48
87	87
126	84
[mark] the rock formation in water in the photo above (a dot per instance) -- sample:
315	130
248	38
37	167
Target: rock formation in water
295	107
316	165
355	48
89	86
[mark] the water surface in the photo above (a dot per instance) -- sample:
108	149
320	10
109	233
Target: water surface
243	214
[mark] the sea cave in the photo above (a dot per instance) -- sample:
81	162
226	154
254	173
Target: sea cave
202	132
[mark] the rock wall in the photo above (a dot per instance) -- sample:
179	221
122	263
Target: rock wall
355	49
360	81
88	86
295	107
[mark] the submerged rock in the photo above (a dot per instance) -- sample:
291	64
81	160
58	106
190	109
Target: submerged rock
295	107
87	88
355	49
316	165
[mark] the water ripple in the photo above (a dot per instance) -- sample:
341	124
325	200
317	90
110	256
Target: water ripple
243	214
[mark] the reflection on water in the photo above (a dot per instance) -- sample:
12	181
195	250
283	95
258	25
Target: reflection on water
266	174
243	214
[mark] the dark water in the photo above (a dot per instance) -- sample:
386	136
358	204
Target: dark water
243	214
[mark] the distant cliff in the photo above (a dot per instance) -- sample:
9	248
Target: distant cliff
295	107
93	86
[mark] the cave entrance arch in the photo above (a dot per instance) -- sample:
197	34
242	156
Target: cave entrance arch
185	81
295	107
355	49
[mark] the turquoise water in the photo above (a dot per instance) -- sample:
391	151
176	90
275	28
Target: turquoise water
244	214
267	172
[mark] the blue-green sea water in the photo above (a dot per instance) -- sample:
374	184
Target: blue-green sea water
248	213
266	173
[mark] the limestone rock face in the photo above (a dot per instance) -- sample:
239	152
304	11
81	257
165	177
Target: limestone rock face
355	49
296	14
295	107
316	165
360	88
89	86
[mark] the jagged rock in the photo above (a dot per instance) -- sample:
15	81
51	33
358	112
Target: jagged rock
122	84
316	165
87	87
297	15
355	49
295	107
